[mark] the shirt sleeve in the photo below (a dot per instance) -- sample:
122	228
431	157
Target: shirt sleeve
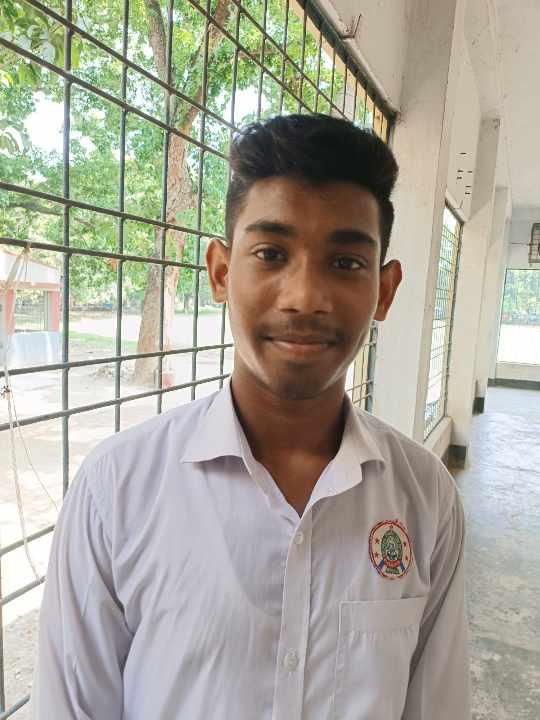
83	637
439	684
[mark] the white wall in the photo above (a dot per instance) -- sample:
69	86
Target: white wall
436	62
493	288
381	40
471	286
464	142
515	371
32	271
422	140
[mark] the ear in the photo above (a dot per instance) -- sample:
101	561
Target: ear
217	261
390	278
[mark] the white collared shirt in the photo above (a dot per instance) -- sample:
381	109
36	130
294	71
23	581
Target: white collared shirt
183	586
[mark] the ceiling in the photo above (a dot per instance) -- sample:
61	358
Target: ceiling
504	46
518	41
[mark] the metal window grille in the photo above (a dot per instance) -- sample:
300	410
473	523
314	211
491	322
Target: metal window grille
138	100
443	320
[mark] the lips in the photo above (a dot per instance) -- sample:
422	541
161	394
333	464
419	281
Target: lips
303	339
301	347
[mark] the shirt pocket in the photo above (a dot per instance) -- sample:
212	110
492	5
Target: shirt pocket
375	643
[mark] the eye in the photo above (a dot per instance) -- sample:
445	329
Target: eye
348	263
269	254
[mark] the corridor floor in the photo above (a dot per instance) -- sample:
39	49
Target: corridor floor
501	494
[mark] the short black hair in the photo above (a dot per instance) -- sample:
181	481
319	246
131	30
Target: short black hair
318	149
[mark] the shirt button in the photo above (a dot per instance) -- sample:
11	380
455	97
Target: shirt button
299	538
291	660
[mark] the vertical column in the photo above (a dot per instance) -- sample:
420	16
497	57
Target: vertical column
9	312
200	192
67	256
7	327
52	310
164	373
491	300
492	366
470	289
121	221
422	146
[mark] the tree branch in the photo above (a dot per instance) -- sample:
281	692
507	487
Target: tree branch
36	207
214	38
157	37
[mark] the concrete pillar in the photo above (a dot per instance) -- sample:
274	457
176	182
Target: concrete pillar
422	144
499	298
470	290
52	310
491	301
8	302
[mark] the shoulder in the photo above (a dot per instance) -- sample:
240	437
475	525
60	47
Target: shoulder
176	426
391	441
139	454
407	460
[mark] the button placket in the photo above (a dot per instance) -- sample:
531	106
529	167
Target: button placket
293	640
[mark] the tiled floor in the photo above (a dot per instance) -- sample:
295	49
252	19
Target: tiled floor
501	494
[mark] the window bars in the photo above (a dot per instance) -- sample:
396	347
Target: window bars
443	320
115	121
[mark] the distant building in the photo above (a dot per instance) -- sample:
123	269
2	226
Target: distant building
30	339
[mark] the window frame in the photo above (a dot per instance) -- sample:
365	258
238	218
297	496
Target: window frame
328	37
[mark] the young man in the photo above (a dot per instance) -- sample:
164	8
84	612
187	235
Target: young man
269	552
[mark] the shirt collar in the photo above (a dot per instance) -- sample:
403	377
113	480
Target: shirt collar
358	446
219	434
358	436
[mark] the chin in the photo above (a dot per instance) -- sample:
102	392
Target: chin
299	387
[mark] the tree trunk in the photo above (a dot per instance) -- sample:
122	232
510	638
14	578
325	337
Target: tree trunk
179	197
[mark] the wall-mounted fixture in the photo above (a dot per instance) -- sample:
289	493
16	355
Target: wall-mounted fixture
534	245
352	29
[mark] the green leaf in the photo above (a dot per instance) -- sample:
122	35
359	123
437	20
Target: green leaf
48	51
25	42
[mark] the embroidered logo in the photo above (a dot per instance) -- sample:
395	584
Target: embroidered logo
390	549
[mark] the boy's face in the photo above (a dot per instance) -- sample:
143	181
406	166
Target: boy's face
303	282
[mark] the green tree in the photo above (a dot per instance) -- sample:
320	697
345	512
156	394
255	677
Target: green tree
95	141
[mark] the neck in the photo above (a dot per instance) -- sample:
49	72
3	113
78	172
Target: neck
278	427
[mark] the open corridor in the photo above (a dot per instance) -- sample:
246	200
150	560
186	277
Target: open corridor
501	494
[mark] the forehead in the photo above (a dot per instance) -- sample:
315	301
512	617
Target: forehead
316	209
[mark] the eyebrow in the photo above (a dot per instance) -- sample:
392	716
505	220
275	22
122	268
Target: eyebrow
343	236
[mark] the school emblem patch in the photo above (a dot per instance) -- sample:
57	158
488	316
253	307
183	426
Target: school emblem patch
390	549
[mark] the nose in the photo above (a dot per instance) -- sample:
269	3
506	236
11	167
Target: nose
304	290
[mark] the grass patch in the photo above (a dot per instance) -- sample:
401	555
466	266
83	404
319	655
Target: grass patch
98	342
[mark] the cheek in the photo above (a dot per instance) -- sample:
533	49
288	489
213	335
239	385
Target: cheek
247	303
371	297
360	312
248	291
